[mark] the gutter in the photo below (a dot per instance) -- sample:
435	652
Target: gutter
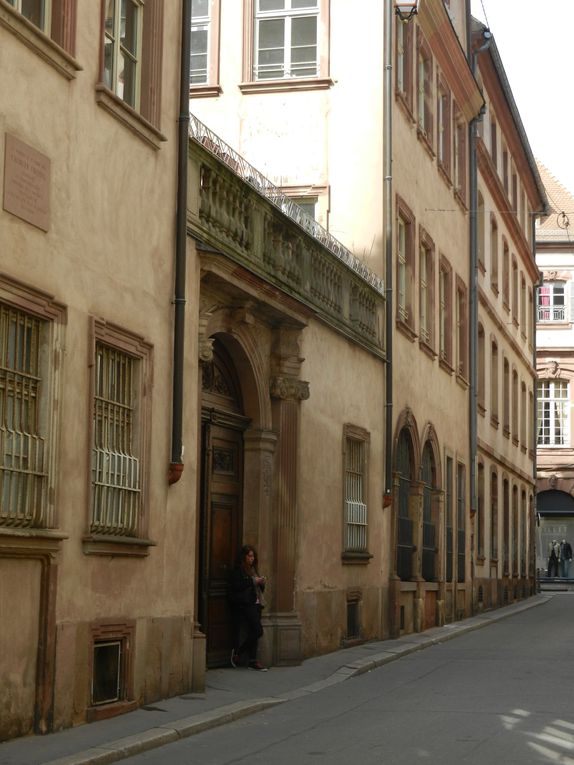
176	462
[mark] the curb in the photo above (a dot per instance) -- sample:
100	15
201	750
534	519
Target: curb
154	738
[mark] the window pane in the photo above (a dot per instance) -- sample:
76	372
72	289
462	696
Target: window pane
108	62
199	8
303	3
271	48
110	13
271	5
34	11
129	29
304	46
127	80
304	31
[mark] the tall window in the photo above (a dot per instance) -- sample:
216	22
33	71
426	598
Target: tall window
36	11
424	90
444	128
426	288
120	418
493	141
494	516
461	522
286	41
131	70
481	388
445	312
515	291
55	18
506	397
405	546
448	521
405	264
515	413
493	254
123	49
23	452
480	512
480	224
552	302
461	329
460	140
430	541
524	319
404	62
505	273
494	394
356	442
523	417
200	41
553	413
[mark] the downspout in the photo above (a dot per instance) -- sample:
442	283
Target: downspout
388	227
473	292
176	463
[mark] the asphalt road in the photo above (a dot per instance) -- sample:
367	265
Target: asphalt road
500	695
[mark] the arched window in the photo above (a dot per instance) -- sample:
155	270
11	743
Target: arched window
405	524
429	526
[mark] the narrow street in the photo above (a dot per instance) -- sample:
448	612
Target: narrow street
499	695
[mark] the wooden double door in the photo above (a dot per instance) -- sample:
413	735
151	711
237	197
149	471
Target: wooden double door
221	531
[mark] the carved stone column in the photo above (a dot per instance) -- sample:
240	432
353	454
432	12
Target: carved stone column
287	391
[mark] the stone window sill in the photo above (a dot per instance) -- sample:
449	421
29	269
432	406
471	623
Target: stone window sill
129	117
356	558
130	547
292	84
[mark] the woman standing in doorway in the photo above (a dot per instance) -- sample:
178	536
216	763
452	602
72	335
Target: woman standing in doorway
246	596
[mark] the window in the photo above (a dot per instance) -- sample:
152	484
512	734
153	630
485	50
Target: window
515	413
120	424
424	91
505	527
28	393
515	291
505	274
461	522
480	512
505	167
494	516
445	312
494	383
426	288
481	386
523	416
506	397
200	28
404	62
449	518
443	128
123	49
553	413
204	62
286	39
356	445
480	223
430	514
552	302
460	141
461	329
56	19
131	70
405	264
523	317
112	670
493	141
494	254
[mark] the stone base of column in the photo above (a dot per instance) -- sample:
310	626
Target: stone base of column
281	644
198	661
394	606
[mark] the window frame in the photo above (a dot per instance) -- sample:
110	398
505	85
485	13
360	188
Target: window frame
145	120
460	142
58	48
320	81
404	78
426	289
556	312
425	111
134	346
356	553
445	313
211	87
444	124
561	417
53	316
405	268
461	323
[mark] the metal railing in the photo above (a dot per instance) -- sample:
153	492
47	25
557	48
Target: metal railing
551	313
214	144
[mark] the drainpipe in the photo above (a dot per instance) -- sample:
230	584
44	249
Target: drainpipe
388	226
473	291
176	463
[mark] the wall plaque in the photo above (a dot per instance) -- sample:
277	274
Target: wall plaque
26	183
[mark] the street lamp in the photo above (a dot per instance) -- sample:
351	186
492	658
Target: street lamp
406	10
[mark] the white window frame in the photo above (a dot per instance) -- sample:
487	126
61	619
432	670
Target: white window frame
288	14
113	38
355	476
554	311
553	425
46	6
202	24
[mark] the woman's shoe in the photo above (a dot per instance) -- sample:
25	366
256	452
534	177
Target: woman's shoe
257	666
235	660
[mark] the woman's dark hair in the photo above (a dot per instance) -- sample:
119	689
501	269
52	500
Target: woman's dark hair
242	554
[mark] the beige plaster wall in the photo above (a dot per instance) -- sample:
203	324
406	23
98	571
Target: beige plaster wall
108	254
345	388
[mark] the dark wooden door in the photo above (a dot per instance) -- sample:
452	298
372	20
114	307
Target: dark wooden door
221	533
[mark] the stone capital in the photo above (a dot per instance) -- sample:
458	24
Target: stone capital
289	388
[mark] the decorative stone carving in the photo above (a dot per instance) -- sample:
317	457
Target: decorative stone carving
553	481
205	344
289	388
552	369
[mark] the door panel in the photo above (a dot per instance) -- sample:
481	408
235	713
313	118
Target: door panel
222	521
